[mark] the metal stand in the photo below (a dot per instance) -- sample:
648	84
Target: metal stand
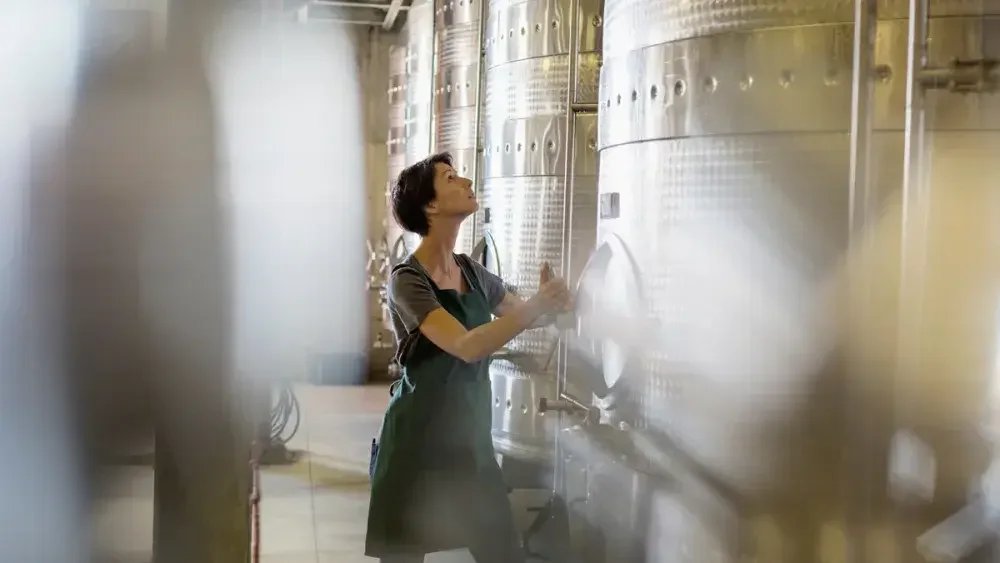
556	512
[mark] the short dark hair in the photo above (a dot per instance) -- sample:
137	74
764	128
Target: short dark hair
414	190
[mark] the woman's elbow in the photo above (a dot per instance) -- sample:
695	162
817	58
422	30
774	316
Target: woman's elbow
465	349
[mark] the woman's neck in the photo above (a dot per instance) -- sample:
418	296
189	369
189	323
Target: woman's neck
437	249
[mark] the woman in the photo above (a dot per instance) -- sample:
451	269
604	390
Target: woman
436	485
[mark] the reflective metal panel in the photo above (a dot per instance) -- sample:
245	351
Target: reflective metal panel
724	162
530	130
456	92
397	145
419	79
412	142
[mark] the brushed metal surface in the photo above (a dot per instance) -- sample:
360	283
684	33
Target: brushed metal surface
724	137
783	80
456	92
419	80
398	242
524	188
634	24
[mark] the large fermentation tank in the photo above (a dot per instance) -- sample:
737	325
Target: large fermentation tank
724	222
456	92
419	33
535	208
396	145
392	248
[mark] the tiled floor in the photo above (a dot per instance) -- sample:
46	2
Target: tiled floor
311	512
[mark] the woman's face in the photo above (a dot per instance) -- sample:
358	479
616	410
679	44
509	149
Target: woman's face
453	195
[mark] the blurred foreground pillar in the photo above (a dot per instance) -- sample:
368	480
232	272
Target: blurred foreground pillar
202	476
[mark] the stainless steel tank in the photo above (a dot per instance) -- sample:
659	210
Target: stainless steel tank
725	215
538	187
418	96
392	248
396	145
456	92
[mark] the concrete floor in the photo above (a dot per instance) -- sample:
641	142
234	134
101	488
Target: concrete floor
311	512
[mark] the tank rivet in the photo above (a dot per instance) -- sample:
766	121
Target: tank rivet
534	145
653	92
746	83
538	27
679	88
635	95
523	30
552	146
619	99
711	84
596	21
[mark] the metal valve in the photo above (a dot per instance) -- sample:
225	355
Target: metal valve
590	414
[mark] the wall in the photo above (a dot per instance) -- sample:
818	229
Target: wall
296	105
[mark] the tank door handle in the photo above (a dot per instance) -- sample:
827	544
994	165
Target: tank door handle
484	250
522	360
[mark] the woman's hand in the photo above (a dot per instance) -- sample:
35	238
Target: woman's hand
553	296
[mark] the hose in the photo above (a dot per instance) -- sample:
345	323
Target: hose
286	413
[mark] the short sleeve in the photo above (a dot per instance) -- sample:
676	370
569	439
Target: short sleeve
412	297
492	285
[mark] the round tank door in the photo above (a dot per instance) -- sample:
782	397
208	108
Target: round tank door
611	322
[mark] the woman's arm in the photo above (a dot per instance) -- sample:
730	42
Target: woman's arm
418	308
473	345
509	305
501	301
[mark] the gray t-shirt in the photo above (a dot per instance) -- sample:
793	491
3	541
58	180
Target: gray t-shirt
411	299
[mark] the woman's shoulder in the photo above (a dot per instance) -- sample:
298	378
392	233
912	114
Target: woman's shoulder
407	275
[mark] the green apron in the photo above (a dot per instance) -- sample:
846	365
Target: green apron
436	485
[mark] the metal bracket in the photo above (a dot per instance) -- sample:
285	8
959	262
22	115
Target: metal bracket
961	76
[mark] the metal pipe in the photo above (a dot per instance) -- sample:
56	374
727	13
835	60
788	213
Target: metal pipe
477	177
371	6
335	21
914	196
433	80
862	94
568	173
391	13
860	213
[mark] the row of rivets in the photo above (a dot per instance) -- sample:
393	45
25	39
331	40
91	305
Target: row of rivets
447	87
591	144
595	21
520	147
709	85
524	408
451	6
